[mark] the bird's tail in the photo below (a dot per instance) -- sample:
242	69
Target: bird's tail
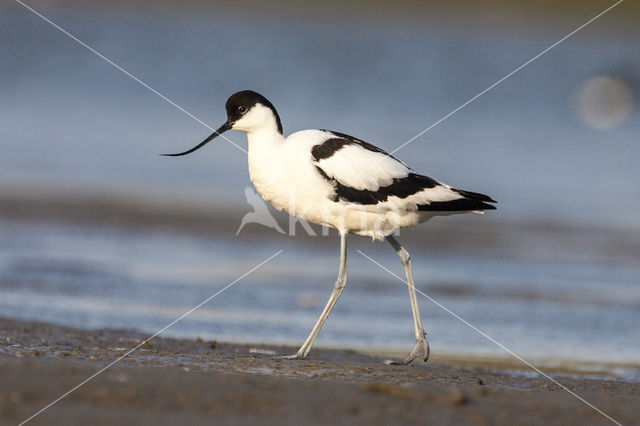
474	195
470	202
474	201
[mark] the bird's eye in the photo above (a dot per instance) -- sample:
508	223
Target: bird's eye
242	109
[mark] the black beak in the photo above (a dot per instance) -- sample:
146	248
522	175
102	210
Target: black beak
226	126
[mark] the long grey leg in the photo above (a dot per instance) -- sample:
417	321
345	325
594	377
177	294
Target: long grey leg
421	350
340	284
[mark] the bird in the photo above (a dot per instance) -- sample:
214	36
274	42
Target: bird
260	213
342	182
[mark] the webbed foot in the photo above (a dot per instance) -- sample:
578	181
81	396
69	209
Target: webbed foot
297	355
420	351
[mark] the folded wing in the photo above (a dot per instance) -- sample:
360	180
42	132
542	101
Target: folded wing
364	174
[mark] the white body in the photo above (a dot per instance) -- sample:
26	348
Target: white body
336	180
285	174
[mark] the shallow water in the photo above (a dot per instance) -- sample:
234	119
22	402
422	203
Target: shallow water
90	277
67	117
69	120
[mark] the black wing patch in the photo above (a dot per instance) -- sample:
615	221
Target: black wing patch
330	146
458	205
472	201
400	187
474	195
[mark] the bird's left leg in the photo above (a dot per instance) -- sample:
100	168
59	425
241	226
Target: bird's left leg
421	350
341	283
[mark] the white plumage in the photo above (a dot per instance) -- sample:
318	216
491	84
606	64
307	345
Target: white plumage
336	180
285	173
360	168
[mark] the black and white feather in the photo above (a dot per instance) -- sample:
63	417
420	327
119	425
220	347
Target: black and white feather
334	179
364	174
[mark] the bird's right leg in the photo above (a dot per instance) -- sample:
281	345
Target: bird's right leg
341	283
421	350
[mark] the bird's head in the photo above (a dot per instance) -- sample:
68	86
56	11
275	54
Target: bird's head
248	112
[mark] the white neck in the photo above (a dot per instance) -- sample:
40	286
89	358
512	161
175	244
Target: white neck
264	138
265	162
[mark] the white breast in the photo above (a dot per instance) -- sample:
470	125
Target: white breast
283	173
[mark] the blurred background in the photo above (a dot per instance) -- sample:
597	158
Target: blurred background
97	230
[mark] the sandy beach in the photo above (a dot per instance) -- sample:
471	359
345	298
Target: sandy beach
171	381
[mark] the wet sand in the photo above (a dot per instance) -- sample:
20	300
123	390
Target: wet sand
171	381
